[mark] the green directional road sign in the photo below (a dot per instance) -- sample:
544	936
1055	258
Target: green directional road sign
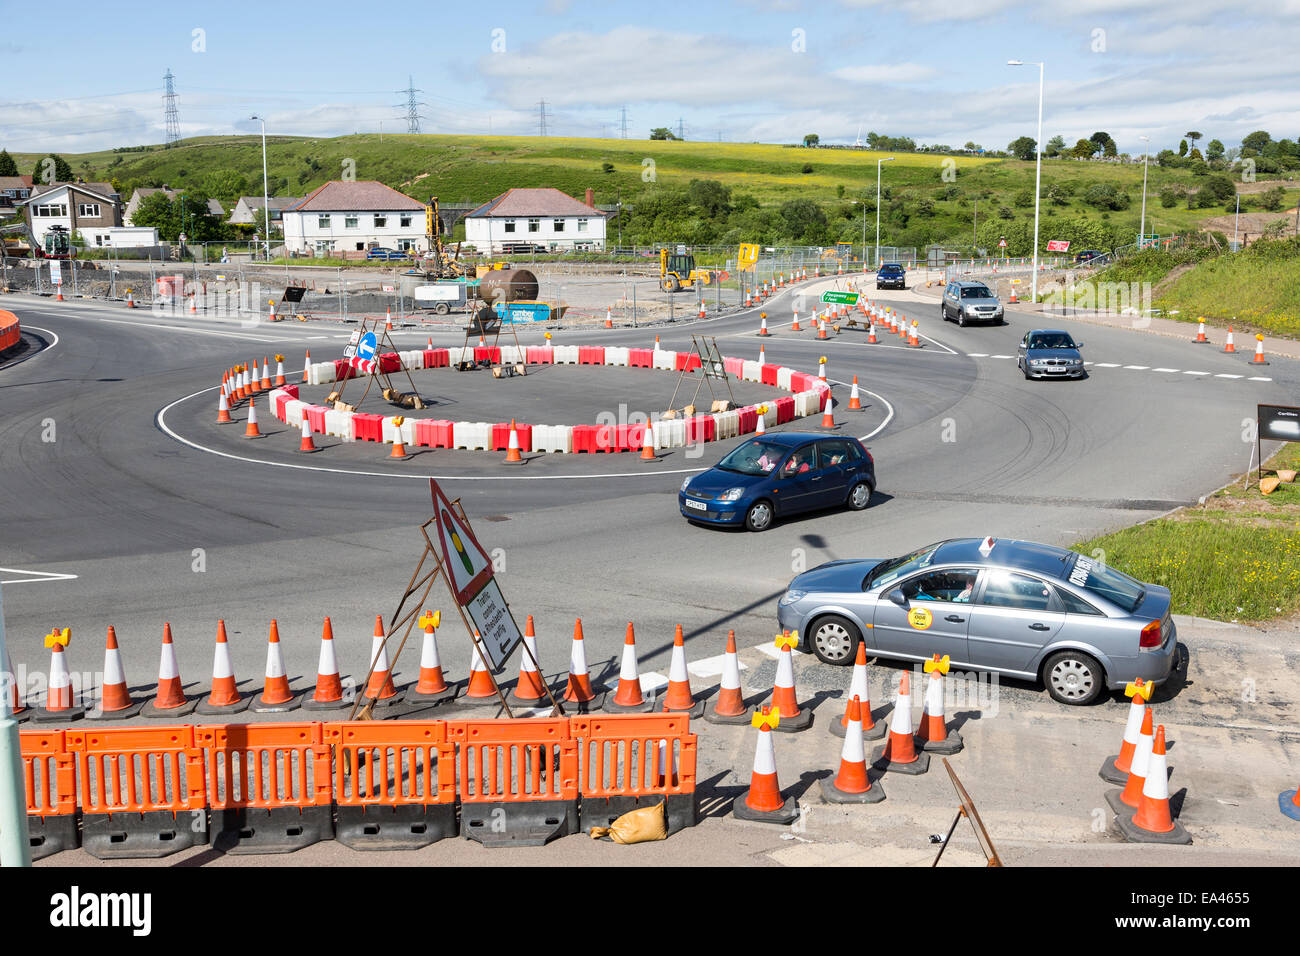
841	298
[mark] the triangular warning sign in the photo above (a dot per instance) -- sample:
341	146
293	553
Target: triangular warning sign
464	560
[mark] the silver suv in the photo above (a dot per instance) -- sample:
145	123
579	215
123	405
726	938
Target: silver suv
968	301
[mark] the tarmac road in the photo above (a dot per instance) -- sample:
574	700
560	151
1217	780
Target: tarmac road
162	515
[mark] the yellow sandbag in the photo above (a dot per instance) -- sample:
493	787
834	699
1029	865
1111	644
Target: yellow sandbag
636	826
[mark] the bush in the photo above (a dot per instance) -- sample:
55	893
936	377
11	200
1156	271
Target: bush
807	168
1106	196
1170	195
1025	198
1005	212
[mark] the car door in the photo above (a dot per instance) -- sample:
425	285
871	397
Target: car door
1014	616
932	618
838	461
949	296
799	481
1022	352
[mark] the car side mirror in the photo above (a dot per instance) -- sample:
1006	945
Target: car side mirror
897	597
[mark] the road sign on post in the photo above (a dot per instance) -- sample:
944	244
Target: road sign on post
840	298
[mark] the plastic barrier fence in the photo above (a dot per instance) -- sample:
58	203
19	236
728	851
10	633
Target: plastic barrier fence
277	787
751	371
665	360
566	354
553	438
472	435
616	356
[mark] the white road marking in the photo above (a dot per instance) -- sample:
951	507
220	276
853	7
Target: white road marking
1164	370
1226	375
770	649
1108	365
977	354
1195	373
1259	378
711	666
34	577
652	681
1000	356
178	328
36	328
1138	368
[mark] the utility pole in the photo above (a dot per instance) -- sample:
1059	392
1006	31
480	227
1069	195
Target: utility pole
622	123
541	118
681	134
412	106
170	114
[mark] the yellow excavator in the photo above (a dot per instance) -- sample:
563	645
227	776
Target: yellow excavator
677	271
441	263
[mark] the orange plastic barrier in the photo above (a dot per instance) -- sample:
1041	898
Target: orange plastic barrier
626	761
394	783
518	780
10	331
268	786
141	790
51	792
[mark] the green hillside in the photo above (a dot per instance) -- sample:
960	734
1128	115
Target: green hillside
767	192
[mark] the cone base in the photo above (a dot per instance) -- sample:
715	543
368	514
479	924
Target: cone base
792	725
696	710
310	703
308	451
1114	799
98	713
257	706
715	718
1178	836
152	710
207	709
1288	808
950	745
436	697
833	794
788	813
874	732
22	715
44	716
646	705
596	703
1111	773
917	767
384	701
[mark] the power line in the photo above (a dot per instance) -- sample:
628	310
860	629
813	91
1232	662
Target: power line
173	118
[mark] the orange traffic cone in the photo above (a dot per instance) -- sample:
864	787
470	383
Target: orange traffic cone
512	448
251	430
530	687
114	697
388	320
480	679
729	704
130	300
224	697
279	371
579	689
702	314
609	320
821	328
760	421
253	380
784	696
914	338
266	374
828	417
306	444
794	327
934	735
871	333
60	700
851	785
898	752
855	403
399	446
762	354
170	700
762	801
678	697
380	687
648	443
276	696
1126	801
223	409
628	698
328	694
1259	351
858	689
1153	823
821	369
432	687
1227	345
1116	769
1201	338
762	329
306	367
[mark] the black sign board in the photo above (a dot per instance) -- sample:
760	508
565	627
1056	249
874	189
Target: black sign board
294	293
1278	422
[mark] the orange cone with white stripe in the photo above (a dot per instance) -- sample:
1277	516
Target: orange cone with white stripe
223	409
855	403
279	371
480	678
913	339
512	446
648	443
858	687
252	378
224	698
762	801
1116	769
579	689
760	422
276	696
1259	351
794	327
170	700
871	333
628	698
306	367
1131	795
609	320
530	686
328	694
399	445
784	696
266	374
251	430
380	687
1227	345
114	697
729	704
1153	821
899	752
762	329
432	686
306	444
388	320
1201	338
678	696
934	735
851	784
60	701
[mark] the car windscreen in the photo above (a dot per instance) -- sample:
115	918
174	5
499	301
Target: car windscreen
976	292
754	458
1051	340
895	568
1104	581
891	270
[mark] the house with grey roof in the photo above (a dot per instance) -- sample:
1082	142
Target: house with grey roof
345	218
536	219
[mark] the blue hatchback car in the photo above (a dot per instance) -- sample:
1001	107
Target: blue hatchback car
777	475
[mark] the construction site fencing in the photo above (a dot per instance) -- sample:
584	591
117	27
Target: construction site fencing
123	792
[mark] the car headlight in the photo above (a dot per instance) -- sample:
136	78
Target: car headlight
790	597
1038	361
1076	361
686	482
731	494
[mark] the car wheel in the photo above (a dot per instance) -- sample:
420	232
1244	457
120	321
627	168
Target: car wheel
860	495
834	640
1072	677
759	516
961	319
442	308
1025	370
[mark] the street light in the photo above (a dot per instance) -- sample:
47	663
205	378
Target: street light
1142	226
889	159
266	192
1038	170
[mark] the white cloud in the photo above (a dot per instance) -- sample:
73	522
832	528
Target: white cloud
886	73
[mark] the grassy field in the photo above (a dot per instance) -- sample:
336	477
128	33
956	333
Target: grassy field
1247	288
1234	558
955	189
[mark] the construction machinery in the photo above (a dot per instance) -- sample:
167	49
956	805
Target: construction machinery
57	244
440	264
677	271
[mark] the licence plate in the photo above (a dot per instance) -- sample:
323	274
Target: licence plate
697	505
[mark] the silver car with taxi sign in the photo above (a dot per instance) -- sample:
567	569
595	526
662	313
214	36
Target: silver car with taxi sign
1026	610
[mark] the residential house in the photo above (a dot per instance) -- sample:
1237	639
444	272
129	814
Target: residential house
12	189
248	210
214	206
345	218
81	208
522	219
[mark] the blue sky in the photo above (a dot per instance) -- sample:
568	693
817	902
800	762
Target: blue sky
739	71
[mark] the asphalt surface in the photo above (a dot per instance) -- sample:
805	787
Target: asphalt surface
157	514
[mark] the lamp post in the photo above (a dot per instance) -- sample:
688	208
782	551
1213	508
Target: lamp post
1142	225
888	159
266	191
1038	170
